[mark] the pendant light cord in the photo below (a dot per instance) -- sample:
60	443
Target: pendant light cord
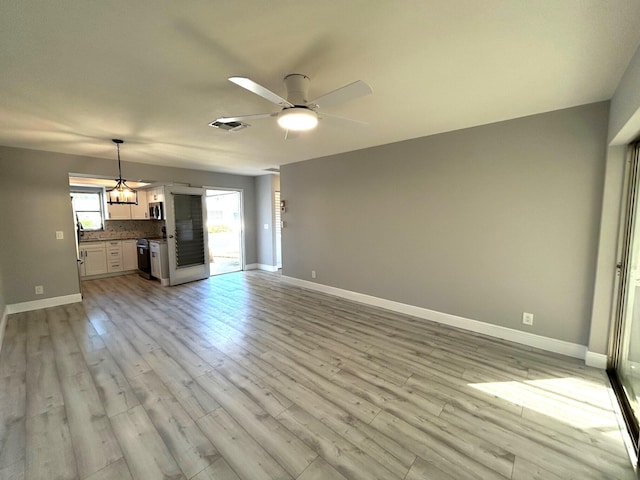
119	169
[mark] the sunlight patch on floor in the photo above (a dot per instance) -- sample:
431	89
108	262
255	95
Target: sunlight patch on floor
576	402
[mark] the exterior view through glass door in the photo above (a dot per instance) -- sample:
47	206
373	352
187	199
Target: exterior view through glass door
224	224
624	355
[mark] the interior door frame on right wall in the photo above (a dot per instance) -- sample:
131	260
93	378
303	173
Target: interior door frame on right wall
277	221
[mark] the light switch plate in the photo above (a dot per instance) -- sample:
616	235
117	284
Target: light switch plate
59	235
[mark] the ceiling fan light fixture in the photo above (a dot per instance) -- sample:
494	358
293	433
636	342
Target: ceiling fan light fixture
121	193
298	119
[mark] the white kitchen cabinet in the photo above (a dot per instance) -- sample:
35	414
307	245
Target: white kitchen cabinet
114	256
94	259
155	195
129	255
129	211
159	261
141	210
118	212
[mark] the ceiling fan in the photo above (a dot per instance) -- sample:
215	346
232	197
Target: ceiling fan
297	113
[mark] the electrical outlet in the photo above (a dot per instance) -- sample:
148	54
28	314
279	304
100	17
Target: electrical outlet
59	235
527	318
313	274
39	289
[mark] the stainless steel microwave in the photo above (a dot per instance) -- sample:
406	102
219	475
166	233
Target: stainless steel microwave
156	210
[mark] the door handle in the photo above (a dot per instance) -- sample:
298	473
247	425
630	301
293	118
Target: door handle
170	236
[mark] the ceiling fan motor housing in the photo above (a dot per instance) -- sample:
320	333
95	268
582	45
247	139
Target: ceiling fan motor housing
297	86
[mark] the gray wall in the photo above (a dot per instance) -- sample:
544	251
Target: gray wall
3	304
484	223
34	203
3	247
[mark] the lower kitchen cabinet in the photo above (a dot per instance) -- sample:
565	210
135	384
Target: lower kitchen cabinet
113	256
129	255
94	259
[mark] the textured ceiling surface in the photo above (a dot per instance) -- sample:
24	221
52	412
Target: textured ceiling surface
77	73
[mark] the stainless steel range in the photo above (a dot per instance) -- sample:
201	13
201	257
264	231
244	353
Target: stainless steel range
144	260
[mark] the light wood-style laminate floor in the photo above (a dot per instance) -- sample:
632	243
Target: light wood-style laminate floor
244	377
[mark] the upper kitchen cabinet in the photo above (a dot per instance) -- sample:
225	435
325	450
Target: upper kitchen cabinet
130	212
118	212
141	210
155	195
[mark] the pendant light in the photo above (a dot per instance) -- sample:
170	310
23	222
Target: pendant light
121	194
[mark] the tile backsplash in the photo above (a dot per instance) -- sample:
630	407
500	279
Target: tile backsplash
125	229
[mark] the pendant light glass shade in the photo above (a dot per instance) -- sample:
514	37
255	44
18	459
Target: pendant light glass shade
121	193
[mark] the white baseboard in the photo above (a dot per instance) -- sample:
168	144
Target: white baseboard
44	303
261	266
532	340
597	360
3	325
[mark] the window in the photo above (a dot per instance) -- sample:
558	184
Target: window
87	207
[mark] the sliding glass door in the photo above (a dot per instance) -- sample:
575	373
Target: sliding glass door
225	231
624	361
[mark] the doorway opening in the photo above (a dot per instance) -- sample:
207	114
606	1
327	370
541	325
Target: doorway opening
224	224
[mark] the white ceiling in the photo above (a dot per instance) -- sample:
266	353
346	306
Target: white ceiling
76	73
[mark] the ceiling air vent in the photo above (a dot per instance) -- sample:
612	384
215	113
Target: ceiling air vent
229	126
277	170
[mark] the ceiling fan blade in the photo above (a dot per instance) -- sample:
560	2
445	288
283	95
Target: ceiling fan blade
258	89
243	118
342	94
341	118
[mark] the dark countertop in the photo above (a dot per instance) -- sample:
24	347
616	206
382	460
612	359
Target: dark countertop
89	240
